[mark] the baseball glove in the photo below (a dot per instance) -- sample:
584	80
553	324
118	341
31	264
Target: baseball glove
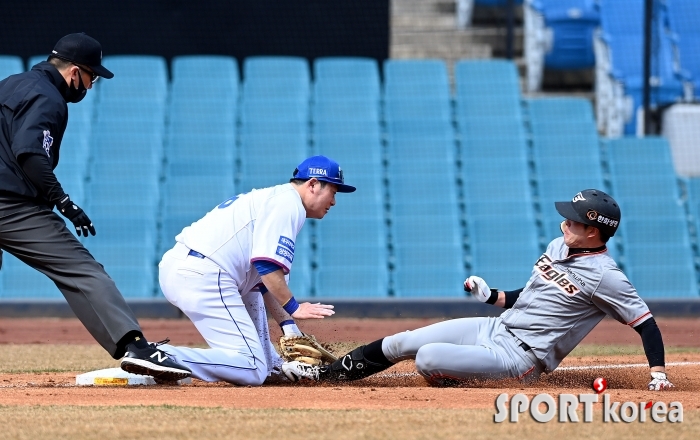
305	349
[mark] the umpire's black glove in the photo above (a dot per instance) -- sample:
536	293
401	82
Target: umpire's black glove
76	215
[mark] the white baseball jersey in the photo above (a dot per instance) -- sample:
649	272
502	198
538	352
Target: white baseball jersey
260	225
566	297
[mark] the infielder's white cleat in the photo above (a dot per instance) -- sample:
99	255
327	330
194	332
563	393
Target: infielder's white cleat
296	370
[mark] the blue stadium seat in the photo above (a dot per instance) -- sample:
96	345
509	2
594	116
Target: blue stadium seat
34	60
339	68
301	276
502	249
346	77
139	77
343	110
679	282
221	70
421	281
563	109
421	109
622	25
476	78
276	89
650	154
10	65
421	79
20	281
684	22
351	150
258	67
558	35
438	130
272	111
276	79
146	67
628	156
496	146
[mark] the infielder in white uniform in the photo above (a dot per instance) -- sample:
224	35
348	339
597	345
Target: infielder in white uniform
573	286
228	266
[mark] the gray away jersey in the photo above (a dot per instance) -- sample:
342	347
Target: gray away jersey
566	297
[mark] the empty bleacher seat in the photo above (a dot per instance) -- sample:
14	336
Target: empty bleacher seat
558	35
503	249
654	234
300	278
684	23
141	77
20	281
405	79
10	65
218	70
346	77
619	66
566	153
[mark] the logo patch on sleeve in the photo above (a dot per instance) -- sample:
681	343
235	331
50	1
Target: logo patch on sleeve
287	242
48	142
285	253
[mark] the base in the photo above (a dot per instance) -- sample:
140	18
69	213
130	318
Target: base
118	377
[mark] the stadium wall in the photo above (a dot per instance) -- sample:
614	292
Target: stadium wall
241	28
346	308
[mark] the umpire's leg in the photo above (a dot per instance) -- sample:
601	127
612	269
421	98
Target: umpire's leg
39	237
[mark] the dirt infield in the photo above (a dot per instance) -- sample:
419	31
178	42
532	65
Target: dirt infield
676	332
399	388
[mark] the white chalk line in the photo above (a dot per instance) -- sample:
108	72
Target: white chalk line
605	367
578	368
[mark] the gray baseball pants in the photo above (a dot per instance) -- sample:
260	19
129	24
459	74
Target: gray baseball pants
467	348
39	237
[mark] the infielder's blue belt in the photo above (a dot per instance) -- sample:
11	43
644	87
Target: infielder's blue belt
523	345
195	254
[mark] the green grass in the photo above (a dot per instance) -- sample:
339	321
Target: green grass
173	423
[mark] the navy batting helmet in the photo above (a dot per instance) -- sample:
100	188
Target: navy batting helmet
594	208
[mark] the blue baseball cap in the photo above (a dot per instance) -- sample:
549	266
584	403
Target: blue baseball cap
325	169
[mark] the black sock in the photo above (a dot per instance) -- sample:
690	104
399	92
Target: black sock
373	353
134	339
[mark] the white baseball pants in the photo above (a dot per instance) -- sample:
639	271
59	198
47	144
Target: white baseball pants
234	327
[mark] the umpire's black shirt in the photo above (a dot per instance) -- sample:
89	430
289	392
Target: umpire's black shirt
33	118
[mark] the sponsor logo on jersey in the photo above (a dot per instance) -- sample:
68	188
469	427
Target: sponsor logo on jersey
556	277
48	142
287	242
595	216
318	172
285	253
578	198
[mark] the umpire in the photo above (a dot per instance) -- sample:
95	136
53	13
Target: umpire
33	118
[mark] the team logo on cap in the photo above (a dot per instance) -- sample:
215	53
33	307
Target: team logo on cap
48	141
318	171
579	198
595	216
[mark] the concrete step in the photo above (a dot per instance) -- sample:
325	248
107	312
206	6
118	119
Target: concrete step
460	40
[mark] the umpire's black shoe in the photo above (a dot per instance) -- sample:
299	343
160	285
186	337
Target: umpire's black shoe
153	362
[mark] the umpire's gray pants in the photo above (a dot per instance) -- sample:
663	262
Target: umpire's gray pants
39	237
467	348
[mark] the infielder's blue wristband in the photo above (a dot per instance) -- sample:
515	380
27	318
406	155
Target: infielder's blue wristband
291	306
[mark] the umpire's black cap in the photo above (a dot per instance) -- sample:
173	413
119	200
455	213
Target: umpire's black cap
594	208
84	50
